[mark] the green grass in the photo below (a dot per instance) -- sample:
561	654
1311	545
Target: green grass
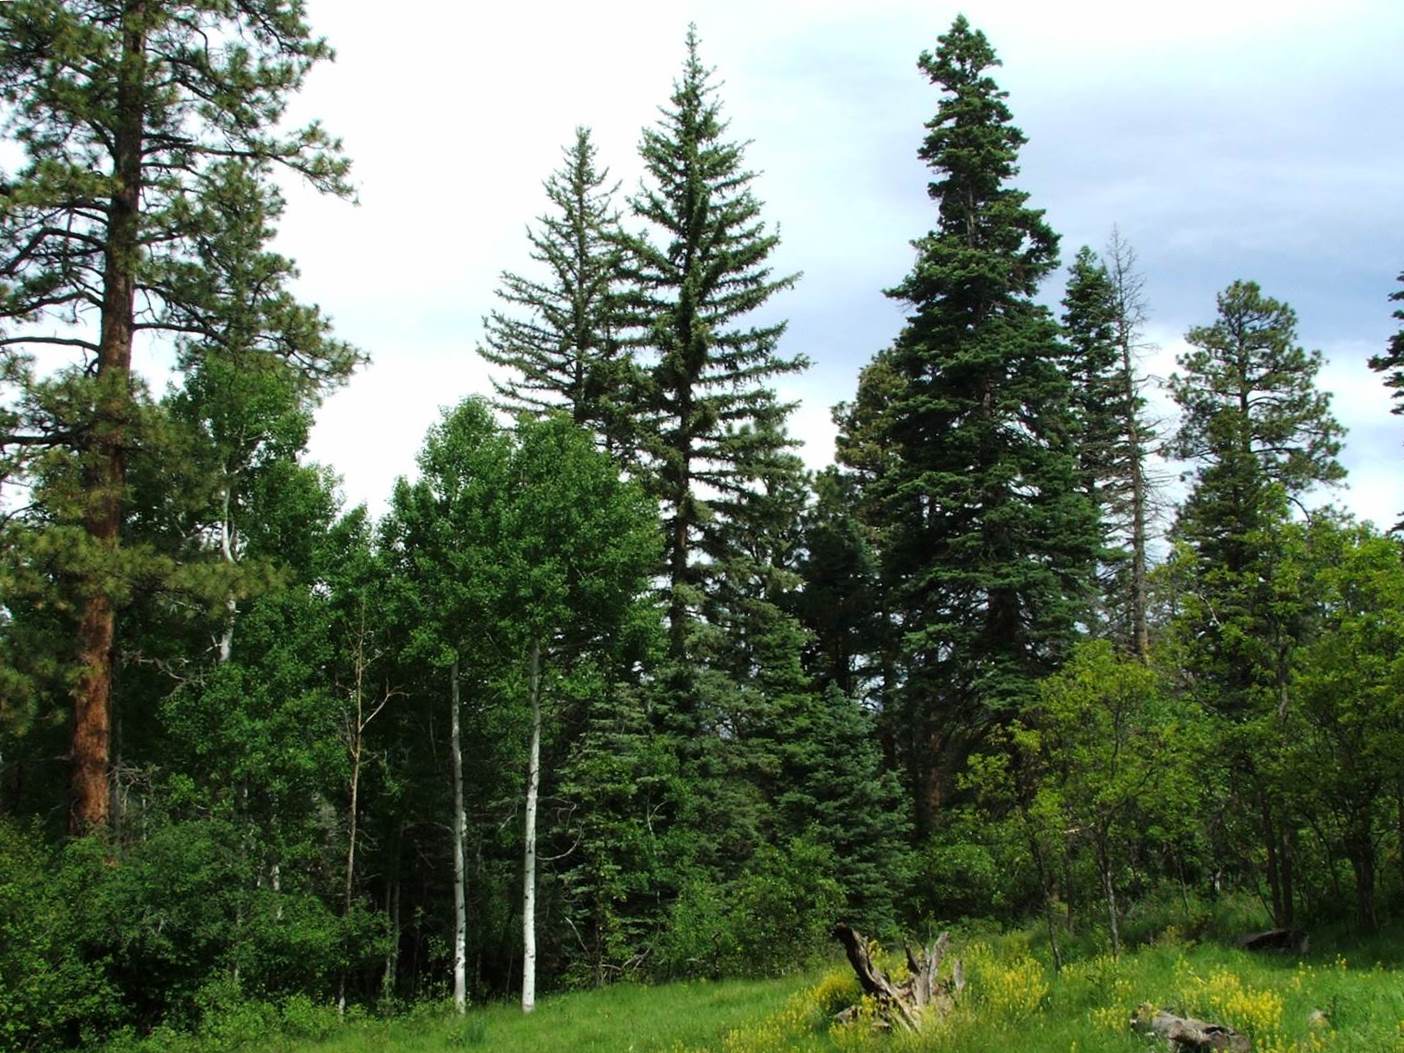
625	1018
1014	1003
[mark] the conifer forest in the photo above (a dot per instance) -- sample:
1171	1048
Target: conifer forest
615	688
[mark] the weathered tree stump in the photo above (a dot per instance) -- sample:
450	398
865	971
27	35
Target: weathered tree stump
1288	941
1184	1034
906	1005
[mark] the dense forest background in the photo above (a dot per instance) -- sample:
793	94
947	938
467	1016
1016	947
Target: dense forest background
615	688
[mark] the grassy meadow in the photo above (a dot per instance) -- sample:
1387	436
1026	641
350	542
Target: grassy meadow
1342	998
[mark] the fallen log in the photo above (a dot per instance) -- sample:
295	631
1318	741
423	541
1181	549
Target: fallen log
904	1005
1288	941
1184	1034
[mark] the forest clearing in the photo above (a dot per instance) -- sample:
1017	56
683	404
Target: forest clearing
631	707
1324	1002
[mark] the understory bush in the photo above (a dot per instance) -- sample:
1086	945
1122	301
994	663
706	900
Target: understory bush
774	918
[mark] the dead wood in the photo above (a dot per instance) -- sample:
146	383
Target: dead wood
1184	1034
1288	941
906	1004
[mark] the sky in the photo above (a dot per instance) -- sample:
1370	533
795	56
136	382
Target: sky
1225	140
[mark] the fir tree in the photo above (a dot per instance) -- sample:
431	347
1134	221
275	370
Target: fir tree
566	351
710	423
989	545
1101	312
1131	513
1391	363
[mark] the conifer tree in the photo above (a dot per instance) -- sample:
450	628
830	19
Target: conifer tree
1391	363
1259	434
989	544
566	353
145	203
1100	320
1133	516
1249	387
710	423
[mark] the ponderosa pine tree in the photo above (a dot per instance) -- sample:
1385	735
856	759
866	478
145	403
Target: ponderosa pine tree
709	422
989	545
150	134
1248	385
566	352
1259	434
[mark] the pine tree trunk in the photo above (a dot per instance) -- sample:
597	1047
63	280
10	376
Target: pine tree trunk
529	863
105	471
460	917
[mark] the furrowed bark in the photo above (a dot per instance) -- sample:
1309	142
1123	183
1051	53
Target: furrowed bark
105	469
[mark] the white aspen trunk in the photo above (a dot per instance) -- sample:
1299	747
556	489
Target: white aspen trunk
460	913
357	730
231	605
529	865
1109	887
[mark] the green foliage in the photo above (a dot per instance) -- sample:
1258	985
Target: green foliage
1344	761
1249	389
971	868
988	545
772	919
566	353
51	993
1391	363
710	428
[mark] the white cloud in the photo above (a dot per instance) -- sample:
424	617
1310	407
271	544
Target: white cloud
1227	139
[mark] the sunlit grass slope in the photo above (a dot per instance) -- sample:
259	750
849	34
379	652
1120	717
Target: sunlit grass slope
1348	1000
1015	1004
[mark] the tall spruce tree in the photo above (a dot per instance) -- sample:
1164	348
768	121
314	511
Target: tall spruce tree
1100	320
1391	363
711	426
989	543
1132	514
566	352
145	203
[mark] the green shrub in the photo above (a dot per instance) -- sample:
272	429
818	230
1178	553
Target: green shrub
51	997
774	918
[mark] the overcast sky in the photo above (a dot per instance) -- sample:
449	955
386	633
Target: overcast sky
1226	139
